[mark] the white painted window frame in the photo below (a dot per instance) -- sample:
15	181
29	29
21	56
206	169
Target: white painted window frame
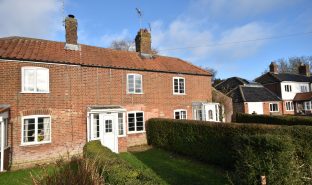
303	88
36	128
272	104
124	124
35	90
178	93
179	111
288	88
305	105
134	83
135	122
91	128
291	104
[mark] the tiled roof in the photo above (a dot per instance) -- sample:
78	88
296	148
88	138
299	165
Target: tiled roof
253	94
21	48
230	84
303	96
272	78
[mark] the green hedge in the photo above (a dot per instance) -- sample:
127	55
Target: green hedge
275	120
114	169
272	156
222	143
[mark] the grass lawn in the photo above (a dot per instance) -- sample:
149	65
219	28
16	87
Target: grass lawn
19	177
175	169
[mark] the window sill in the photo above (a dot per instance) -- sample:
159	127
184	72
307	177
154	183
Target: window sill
182	94
30	92
274	111
134	93
121	136
35	143
136	132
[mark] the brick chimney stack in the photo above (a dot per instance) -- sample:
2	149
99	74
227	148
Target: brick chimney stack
71	26
143	42
273	68
304	69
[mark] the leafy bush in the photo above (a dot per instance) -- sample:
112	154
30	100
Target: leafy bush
76	172
221	143
114	169
275	120
266	155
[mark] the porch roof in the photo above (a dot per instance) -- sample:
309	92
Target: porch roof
4	108
303	96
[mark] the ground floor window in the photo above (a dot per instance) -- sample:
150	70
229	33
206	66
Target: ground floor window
289	106
135	121
95	126
36	129
273	107
121	129
307	105
5	122
180	114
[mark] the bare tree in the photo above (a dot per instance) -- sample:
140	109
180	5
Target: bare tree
127	45
291	64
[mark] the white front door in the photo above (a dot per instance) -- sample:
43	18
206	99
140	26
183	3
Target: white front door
108	127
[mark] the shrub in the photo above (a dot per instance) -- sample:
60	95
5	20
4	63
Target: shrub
76	172
275	120
114	169
269	155
212	143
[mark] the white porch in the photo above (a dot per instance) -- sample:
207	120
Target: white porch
4	145
208	111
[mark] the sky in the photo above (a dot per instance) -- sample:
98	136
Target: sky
234	37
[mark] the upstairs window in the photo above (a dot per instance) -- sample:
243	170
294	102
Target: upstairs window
134	84
289	106
35	80
178	85
180	114
304	88
273	107
288	88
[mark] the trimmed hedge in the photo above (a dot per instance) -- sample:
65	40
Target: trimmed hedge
212	143
274	120
269	147
114	169
272	156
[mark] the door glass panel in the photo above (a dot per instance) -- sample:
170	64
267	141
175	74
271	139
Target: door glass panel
131	125
108	126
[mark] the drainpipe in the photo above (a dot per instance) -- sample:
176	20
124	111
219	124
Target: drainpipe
2	143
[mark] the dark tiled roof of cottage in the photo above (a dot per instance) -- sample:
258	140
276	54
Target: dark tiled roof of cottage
253	94
230	84
303	96
20	48
272	78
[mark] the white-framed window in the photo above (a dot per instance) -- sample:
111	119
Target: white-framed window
121	124
95	126
180	114
289	106
36	129
178	85
199	114
5	122
273	107
35	80
135	121
304	88
307	105
134	84
210	115
287	88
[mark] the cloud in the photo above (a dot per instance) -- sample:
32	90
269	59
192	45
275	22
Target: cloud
32	18
107	39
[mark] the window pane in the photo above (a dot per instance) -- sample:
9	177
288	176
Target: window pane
43	129
108	126
29	130
181	84
177	115
96	126
183	114
131	126
139	121
130	83
120	124
29	80
42	80
176	85
138	84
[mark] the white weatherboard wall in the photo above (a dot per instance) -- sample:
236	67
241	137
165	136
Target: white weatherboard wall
256	107
295	87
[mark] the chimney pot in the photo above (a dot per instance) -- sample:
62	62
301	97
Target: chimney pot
71	16
143	41
304	69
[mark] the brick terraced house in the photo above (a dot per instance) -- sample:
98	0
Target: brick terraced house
56	96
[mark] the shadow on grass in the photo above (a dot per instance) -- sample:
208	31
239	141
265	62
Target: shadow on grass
175	169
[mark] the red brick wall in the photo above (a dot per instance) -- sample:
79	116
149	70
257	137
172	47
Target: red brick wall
74	88
287	112
266	108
